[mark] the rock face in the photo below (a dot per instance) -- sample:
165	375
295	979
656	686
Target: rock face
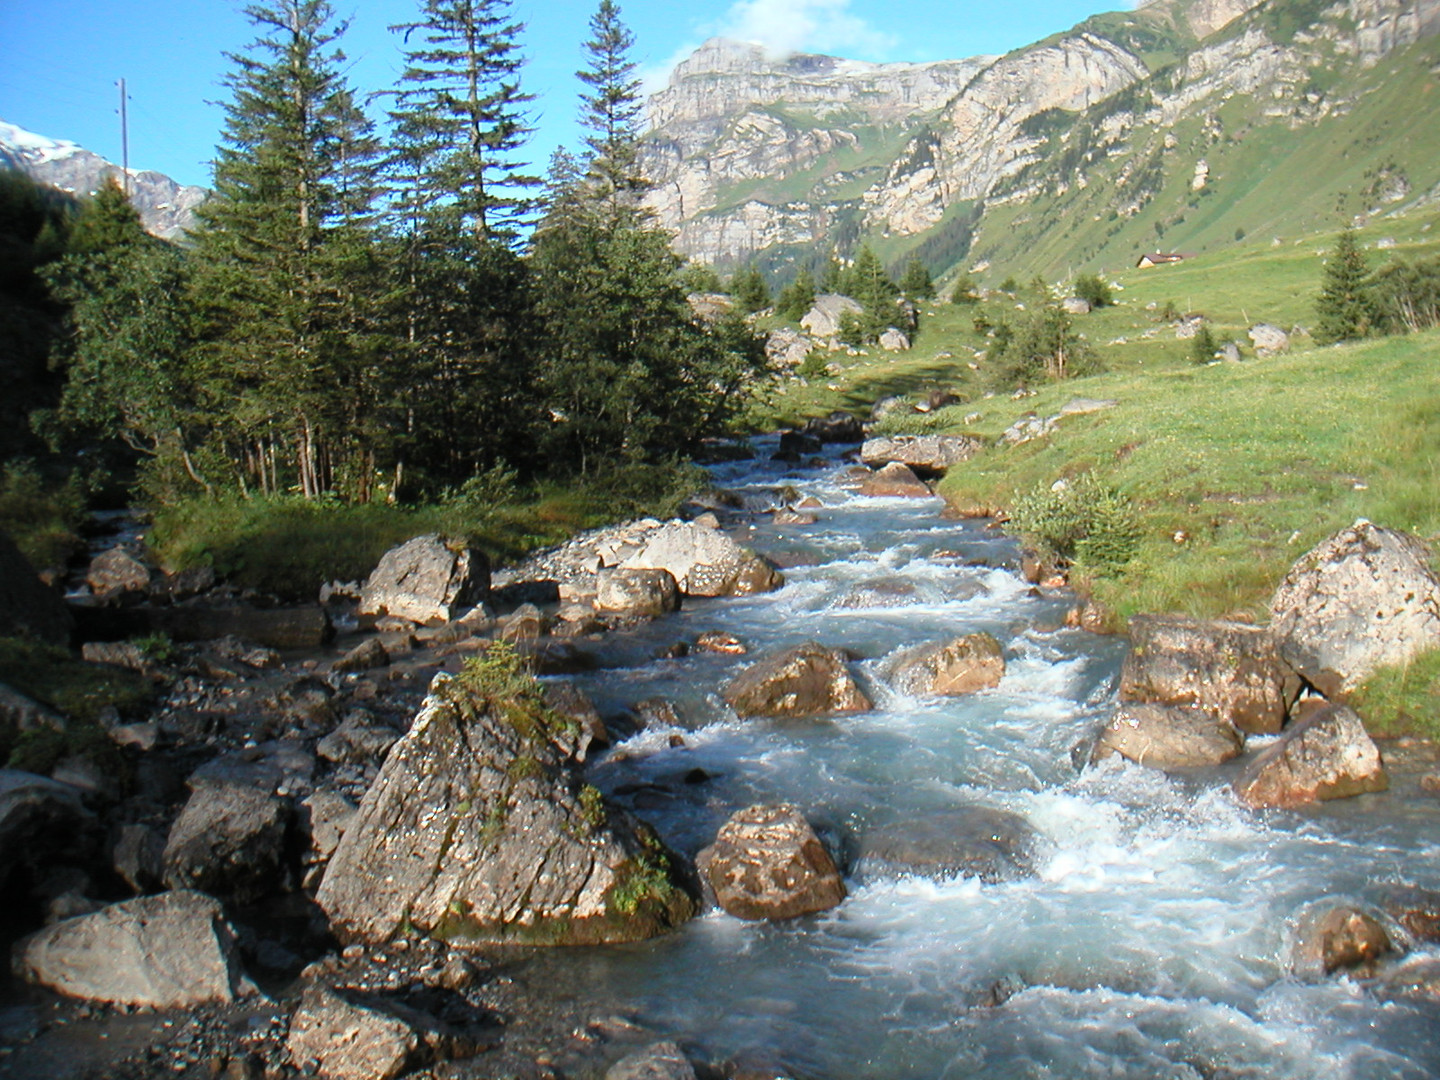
426	580
648	593
1363	599
1327	755
927	455
808	680
967	841
705	562
1168	736
767	863
478	829
26	604
963	665
1229	668
170	951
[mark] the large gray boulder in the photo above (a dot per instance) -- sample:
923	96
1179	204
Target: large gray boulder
426	580
170	951
229	841
928	455
479	830
1326	755
1364	599
964	841
704	562
807	680
962	665
767	863
1229	668
28	605
1269	339
823	318
1168	736
662	1061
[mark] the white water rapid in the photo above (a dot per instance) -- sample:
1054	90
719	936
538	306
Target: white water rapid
1153	940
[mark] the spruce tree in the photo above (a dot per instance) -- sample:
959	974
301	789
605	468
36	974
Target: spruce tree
1344	308
459	118
797	298
916	283
287	291
749	290
611	113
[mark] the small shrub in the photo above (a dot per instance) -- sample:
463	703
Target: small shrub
1203	346
1080	521
42	517
1090	287
816	365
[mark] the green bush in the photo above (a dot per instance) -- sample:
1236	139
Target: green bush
1090	287
816	365
42	517
1080	521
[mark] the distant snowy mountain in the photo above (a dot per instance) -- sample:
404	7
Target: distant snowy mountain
166	208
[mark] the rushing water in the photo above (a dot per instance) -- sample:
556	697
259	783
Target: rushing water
1152	942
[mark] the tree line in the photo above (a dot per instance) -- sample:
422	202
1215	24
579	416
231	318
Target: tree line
385	311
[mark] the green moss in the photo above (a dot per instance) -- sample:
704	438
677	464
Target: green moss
1403	700
80	690
524	767
592	806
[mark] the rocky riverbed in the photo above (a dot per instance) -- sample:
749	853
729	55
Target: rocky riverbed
851	798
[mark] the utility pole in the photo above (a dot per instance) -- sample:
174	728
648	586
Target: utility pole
124	141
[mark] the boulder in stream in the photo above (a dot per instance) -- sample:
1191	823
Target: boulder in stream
662	1061
1331	938
962	665
1326	755
341	1034
635	592
174	950
894	481
1168	736
479	830
1364	599
928	455
705	562
426	579
767	863
964	841
1229	668
115	572
807	680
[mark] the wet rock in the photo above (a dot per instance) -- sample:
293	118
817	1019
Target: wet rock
122	654
705	562
359	738
1416	910
28	605
927	455
478	829
170	951
966	841
963	665
116	572
767	863
885	593
1228	668
370	653
807	680
838	427
635	592
1363	599
795	445
718	641
183	584
894	481
229	840
1326	755
662	1061
426	579
1168	736
1339	938
792	517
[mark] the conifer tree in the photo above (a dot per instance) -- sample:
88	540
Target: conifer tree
1344	309
916	282
286	289
797	298
459	118
748	289
611	113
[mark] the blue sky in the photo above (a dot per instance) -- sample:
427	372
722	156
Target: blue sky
63	58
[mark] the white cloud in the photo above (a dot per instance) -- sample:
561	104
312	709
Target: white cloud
790	26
